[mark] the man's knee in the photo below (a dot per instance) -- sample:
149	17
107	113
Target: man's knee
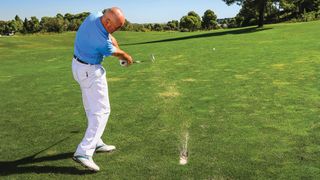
101	112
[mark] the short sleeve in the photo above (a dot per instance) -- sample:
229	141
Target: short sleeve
109	49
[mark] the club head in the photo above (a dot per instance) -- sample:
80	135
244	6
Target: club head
125	63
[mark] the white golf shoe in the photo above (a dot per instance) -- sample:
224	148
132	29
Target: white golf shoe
105	148
87	162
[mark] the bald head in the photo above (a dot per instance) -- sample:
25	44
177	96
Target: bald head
113	19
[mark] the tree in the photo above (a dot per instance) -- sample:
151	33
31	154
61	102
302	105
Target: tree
26	27
59	16
259	5
209	20
50	24
34	25
81	16
12	26
137	27
191	22
127	26
59	23
74	25
248	14
69	17
148	26
232	23
2	27
300	6
172	25
157	27
192	13
70	22
18	24
299	9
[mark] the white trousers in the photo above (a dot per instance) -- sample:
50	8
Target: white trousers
93	83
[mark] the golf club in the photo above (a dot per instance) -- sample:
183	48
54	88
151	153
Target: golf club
125	63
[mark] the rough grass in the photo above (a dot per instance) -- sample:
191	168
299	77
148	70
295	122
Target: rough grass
251	107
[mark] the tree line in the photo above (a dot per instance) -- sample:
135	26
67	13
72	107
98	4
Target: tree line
59	23
259	12
69	22
252	12
189	22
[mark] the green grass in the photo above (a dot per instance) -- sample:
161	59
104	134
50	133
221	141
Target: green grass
251	107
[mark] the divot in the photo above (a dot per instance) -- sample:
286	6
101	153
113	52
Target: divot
153	59
184	151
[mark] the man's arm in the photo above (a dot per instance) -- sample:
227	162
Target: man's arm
120	53
123	55
114	41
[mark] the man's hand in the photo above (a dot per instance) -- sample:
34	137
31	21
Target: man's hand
123	55
128	58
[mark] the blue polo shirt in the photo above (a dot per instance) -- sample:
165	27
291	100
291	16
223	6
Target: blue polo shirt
92	41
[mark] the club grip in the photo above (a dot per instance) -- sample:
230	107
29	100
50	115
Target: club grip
123	62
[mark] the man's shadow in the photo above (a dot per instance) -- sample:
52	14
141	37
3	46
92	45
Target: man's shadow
18	166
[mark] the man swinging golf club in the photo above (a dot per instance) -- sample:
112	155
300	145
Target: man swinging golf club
93	42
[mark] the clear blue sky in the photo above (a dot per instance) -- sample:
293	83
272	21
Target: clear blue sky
137	11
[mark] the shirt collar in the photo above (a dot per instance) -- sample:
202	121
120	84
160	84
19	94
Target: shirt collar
101	27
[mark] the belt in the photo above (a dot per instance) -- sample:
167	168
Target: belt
79	60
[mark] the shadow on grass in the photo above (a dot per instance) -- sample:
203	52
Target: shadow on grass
17	166
211	34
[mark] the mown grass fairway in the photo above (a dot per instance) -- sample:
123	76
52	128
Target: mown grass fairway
251	107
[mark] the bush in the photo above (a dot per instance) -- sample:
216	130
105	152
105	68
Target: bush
293	20
310	16
305	17
184	30
145	29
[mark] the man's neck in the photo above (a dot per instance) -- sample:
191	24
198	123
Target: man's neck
103	22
